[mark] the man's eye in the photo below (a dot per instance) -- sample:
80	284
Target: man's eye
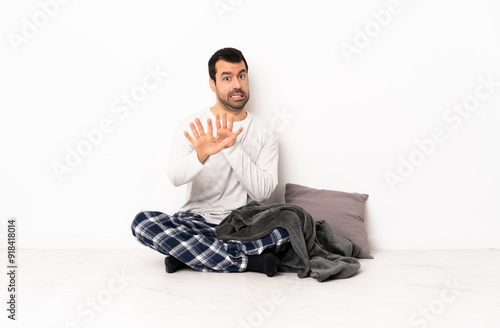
226	78
243	76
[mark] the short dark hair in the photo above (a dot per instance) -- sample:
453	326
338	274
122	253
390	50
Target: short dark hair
227	54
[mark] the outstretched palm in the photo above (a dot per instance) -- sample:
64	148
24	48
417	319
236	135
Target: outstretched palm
225	130
205	144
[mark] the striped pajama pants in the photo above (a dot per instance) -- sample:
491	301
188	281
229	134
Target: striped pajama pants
192	240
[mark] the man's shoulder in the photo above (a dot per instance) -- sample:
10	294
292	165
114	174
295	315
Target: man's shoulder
261	124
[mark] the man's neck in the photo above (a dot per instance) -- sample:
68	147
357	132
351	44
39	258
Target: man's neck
238	116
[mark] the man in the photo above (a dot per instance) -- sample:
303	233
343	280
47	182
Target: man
222	172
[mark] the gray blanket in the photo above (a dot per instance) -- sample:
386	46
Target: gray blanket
317	250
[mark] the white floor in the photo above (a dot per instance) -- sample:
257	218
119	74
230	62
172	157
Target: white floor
406	288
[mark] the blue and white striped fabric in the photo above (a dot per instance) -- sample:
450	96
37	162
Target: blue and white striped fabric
192	240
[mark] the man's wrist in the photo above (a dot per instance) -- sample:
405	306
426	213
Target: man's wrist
202	158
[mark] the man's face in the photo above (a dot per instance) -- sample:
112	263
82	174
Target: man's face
231	85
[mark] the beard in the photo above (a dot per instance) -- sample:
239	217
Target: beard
234	105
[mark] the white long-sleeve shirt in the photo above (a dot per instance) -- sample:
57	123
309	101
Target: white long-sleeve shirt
231	178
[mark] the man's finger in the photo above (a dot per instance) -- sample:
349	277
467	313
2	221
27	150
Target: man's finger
217	121
191	140
224	120
230	127
199	126
193	129
210	129
237	133
225	142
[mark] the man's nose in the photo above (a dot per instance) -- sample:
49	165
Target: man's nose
236	84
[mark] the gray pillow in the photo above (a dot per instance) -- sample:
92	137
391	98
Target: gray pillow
344	211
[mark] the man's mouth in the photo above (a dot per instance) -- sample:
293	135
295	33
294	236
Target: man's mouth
237	96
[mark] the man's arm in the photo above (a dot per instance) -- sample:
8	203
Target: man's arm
259	179
184	164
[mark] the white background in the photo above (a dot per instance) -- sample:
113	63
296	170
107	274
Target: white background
345	120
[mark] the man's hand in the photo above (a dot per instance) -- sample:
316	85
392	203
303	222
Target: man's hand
225	131
205	144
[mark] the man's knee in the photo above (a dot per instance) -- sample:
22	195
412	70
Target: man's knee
143	216
139	218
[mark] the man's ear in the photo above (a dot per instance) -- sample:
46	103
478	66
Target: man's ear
212	84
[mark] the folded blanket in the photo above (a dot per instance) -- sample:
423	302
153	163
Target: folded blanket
317	250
